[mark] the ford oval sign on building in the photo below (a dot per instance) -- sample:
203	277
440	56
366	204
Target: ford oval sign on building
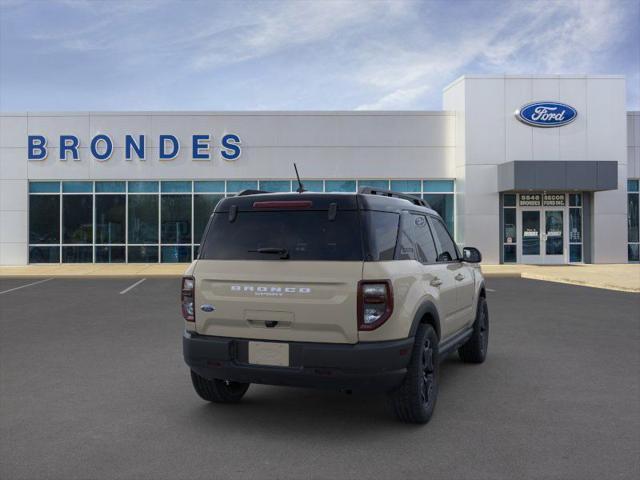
546	114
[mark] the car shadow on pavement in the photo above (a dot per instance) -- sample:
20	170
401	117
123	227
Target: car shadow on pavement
289	410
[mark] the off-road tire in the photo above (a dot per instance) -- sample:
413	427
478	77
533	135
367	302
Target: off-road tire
415	399
218	391
475	349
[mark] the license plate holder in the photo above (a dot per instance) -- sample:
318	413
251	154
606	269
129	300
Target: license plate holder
274	354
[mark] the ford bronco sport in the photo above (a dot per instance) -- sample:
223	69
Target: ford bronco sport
355	292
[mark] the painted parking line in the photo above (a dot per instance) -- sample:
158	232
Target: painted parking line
25	286
130	287
490	290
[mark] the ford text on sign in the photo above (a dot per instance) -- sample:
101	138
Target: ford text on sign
546	114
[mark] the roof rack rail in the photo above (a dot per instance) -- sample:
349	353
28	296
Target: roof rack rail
391	193
250	191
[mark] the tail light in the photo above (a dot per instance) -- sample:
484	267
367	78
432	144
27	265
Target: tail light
188	309
375	303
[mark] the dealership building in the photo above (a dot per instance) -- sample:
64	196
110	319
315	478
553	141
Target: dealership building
529	169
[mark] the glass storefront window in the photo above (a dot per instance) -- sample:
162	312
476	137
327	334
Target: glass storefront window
381	184
632	217
77	187
110	218
235	186
77	219
176	219
77	254
443	204
44	218
143	187
110	254
111	187
575	225
438	186
575	200
44	254
110	221
510	232
633	214
509	200
407	186
176	254
340	185
575	253
44	187
510	255
143	219
213	186
310	185
276	185
175	187
143	254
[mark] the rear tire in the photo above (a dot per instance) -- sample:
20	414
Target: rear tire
218	391
475	349
415	400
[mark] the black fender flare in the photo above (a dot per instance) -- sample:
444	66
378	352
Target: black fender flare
427	307
482	291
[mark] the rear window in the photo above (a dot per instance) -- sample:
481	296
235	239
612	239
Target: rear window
305	235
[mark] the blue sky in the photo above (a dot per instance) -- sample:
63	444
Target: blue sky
300	55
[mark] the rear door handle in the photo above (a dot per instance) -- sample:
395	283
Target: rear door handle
459	277
436	282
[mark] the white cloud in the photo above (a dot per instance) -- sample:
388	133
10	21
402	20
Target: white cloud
402	98
536	37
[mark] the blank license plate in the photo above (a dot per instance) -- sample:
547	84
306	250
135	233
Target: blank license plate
269	353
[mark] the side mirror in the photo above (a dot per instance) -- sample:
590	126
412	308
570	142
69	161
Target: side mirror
471	255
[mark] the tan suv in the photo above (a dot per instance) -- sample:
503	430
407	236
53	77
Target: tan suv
363	291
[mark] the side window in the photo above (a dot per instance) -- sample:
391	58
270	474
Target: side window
405	249
447	250
426	249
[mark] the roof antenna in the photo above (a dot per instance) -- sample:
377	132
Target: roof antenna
300	188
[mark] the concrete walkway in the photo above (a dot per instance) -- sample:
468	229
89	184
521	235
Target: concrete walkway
622	277
96	270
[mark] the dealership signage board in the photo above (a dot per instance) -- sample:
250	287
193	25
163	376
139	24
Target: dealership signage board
101	147
542	200
546	114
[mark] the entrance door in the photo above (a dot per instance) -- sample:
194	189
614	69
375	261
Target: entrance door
531	236
542	236
553	236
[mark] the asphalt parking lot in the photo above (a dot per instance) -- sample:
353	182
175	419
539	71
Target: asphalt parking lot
92	385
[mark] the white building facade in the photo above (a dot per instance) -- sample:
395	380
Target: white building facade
140	186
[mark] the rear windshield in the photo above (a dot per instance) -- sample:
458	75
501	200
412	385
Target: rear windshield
301	235
304	235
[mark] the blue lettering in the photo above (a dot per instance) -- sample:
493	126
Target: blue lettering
164	155
201	142
130	143
108	147
72	147
231	147
37	147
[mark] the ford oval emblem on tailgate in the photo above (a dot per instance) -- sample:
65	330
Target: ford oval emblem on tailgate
207	308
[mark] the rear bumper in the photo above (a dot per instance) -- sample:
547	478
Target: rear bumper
368	366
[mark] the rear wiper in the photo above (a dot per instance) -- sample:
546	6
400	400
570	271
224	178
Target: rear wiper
283	252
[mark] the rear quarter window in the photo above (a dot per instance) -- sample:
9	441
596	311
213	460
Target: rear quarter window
382	234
